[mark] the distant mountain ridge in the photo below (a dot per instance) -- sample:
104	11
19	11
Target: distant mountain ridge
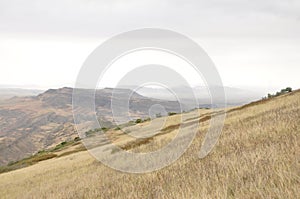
6	93
43	119
28	124
234	96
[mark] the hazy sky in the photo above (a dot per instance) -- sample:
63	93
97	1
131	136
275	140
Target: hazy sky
253	43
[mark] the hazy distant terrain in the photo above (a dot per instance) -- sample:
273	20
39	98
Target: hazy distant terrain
257	156
234	96
6	93
28	124
43	119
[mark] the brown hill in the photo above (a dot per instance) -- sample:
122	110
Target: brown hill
257	156
28	124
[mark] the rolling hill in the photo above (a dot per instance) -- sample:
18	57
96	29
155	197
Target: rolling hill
257	156
29	124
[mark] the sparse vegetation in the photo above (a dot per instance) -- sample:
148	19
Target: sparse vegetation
147	119
138	121
171	113
117	128
93	132
283	91
257	156
42	155
59	146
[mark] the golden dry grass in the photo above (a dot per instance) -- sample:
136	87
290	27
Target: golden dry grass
257	156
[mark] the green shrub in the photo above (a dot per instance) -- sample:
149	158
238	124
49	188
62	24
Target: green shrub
281	92
93	132
138	121
289	89
147	119
171	113
104	129
59	146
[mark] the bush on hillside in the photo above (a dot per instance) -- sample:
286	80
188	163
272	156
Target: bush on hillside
281	92
171	113
138	121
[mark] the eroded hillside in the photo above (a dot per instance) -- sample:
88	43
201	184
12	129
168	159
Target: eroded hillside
29	124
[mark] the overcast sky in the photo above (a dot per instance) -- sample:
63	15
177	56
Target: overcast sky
254	43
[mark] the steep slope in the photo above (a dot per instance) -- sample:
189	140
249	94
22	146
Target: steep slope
28	124
257	156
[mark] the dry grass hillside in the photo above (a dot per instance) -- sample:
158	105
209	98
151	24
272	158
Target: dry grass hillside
257	156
